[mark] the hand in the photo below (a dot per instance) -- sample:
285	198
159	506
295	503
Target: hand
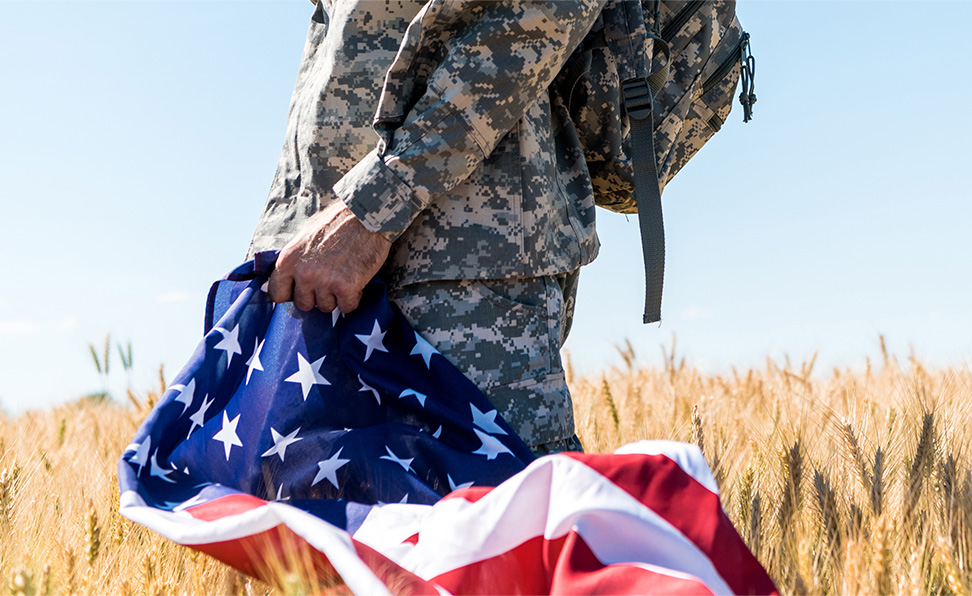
329	262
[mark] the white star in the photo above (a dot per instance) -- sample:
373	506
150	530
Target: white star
373	341
158	471
486	421
424	349
367	387
335	315
307	374
438	432
280	443
186	394
454	486
230	343
280	496
227	435
265	288
420	396
406	464
329	467
491	446
404	501
254	362
141	456
199	418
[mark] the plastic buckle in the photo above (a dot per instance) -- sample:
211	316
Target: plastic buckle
637	99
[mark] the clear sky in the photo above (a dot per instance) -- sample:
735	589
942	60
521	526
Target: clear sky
138	141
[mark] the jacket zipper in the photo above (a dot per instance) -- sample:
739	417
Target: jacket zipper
681	17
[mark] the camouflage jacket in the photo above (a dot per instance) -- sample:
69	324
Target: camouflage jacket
475	171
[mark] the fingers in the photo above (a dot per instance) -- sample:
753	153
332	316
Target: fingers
326	301
309	288
328	264
349	299
326	296
304	296
281	286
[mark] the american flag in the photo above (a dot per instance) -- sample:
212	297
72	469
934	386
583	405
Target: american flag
350	440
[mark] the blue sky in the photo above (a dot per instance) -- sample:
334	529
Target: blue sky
138	141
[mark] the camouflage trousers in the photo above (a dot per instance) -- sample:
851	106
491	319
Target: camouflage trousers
505	335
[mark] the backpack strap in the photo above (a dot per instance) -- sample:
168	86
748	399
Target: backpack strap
637	97
627	35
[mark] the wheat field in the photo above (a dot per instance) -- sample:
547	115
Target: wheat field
841	482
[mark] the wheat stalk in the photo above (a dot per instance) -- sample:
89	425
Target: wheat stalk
910	532
921	463
697	425
826	501
877	483
792	482
881	563
93	535
20	583
860	466
612	407
952	575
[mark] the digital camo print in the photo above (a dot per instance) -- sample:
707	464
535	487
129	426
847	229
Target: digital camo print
705	40
473	173
505	335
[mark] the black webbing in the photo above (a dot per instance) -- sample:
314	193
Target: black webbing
650	220
625	21
637	97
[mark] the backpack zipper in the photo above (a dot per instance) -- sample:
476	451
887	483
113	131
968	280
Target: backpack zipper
723	70
748	97
680	18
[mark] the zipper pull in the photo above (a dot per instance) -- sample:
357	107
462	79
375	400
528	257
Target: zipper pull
748	96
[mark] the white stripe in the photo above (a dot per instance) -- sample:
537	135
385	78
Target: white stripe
330	540
552	496
686	455
660	571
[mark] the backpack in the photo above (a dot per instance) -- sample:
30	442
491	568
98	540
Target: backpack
649	85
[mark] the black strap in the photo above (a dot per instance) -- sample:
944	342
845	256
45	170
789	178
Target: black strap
637	95
626	34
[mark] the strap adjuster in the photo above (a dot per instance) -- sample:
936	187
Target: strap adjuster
637	99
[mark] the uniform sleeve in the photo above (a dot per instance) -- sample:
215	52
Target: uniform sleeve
466	73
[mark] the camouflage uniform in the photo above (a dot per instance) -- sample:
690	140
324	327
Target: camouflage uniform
475	175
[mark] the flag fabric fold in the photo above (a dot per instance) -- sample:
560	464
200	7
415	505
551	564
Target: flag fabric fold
348	445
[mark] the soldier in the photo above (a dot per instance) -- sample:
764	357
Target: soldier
474	200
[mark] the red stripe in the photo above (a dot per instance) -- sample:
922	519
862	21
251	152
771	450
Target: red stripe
398	579
536	566
565	566
524	569
471	494
696	512
271	554
268	555
580	572
225	507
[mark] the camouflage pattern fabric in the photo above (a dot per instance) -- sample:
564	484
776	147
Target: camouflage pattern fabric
472	173
705	40
433	123
505	335
570	444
